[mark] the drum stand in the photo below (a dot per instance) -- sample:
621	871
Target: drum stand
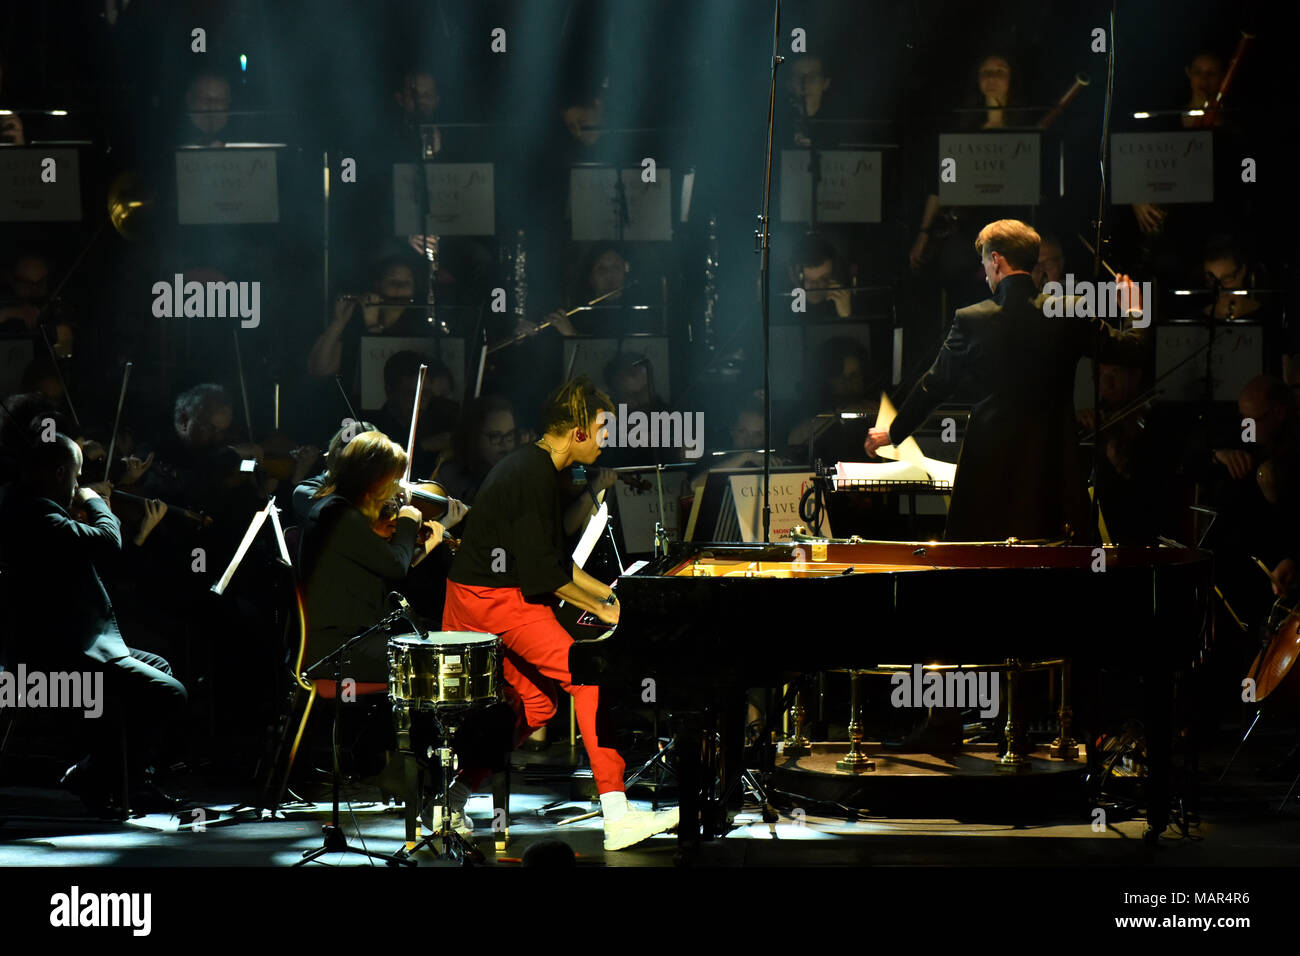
333	839
454	846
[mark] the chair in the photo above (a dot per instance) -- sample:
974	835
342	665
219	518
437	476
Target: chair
13	719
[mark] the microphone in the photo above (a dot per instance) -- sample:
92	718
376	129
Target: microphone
403	611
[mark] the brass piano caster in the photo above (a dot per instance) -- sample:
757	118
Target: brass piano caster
856	759
1013	763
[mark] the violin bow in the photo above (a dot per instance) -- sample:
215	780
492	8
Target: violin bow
117	420
338	380
243	386
415	422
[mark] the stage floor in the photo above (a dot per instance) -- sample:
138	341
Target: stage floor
1238	826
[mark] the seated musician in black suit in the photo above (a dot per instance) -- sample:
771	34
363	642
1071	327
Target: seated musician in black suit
1018	472
61	620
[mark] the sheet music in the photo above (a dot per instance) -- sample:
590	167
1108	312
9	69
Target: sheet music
591	534
908	451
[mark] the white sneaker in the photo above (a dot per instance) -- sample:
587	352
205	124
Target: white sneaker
637	825
461	821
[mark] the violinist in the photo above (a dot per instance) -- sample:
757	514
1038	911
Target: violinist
346	566
61	619
304	493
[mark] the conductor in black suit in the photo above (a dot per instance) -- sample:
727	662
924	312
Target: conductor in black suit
1019	472
60	619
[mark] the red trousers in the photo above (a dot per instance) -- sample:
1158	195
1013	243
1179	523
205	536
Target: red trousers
536	667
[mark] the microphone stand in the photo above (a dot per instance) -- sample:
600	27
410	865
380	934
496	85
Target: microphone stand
333	839
762	245
1094	506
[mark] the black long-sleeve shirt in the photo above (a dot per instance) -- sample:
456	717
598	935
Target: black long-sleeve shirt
347	572
514	536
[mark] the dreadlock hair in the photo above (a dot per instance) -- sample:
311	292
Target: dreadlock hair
574	404
370	460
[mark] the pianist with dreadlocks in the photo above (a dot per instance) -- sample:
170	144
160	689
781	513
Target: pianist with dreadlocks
510	571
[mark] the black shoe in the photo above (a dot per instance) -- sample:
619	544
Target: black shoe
147	798
90	788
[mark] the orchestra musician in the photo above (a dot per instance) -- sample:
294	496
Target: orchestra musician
510	568
346	565
59	619
1018	472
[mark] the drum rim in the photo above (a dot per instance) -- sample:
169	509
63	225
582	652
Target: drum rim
438	639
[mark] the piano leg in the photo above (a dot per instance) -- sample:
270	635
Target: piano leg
688	742
1157	703
730	716
710	766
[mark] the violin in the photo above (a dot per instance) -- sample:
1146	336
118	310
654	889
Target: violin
139	501
77	510
427	495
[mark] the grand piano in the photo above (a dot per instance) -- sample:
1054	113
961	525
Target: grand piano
705	622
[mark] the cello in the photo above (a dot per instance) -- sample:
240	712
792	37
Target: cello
1273	669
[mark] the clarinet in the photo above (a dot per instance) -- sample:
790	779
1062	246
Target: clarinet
431	253
710	284
521	279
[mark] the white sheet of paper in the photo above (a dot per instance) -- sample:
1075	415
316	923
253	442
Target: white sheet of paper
590	535
909	450
851	471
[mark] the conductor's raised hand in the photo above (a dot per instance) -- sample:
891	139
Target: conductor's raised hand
876	438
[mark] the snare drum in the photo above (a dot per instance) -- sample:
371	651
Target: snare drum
442	668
